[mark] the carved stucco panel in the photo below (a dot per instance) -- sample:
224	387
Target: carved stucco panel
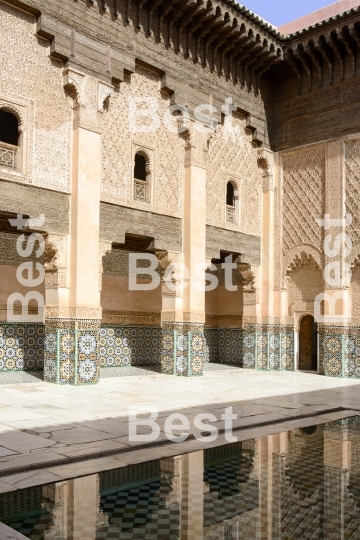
355	292
117	139
303	176
352	167
8	252
231	152
27	69
305	283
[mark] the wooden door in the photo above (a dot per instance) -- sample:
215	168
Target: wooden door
308	344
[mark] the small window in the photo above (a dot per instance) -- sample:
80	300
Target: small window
9	128
141	178
230	194
140	167
9	140
230	203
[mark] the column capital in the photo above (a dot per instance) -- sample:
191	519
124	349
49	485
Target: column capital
265	159
250	275
166	259
196	136
89	96
56	267
104	248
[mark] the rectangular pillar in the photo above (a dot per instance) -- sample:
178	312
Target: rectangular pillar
183	311
73	310
192	496
337	464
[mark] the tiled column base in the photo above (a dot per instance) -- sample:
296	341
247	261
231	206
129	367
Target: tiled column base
183	349
71	351
339	349
268	347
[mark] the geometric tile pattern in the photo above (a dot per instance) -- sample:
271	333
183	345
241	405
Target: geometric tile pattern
268	347
339	351
230	346
33	526
224	345
21	347
302	487
331	353
31	347
352	353
140	513
124	346
249	347
231	492
183	351
211	345
71	356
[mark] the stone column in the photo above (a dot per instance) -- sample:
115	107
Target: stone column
266	447
265	161
183	313
334	326
192	496
74	506
254	349
280	450
337	464
73	312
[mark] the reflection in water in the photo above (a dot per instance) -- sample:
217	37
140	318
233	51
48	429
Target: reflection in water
303	484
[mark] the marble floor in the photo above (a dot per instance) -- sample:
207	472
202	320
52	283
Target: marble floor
50	432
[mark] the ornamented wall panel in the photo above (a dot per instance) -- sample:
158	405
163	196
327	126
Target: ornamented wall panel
167	168
224	345
231	152
352	167
117	263
8	252
304	285
268	347
183	350
124	346
71	356
303	198
355	292
21	347
28	72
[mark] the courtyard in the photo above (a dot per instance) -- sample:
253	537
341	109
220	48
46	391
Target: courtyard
53	432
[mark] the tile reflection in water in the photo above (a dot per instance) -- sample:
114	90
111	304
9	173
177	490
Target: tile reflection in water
302	484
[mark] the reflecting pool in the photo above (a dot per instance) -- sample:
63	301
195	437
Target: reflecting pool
300	484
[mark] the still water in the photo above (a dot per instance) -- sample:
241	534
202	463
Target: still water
301	484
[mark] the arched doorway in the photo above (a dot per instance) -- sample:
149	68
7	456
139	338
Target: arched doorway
308	344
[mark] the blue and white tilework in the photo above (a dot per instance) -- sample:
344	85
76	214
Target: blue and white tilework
125	345
224	345
71	356
339	349
269	347
183	350
21	347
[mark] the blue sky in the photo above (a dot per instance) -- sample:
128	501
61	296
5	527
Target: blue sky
279	12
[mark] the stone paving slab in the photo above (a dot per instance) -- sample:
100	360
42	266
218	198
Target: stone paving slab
44	427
